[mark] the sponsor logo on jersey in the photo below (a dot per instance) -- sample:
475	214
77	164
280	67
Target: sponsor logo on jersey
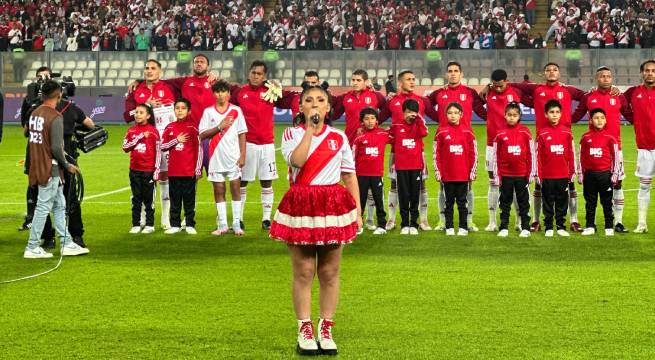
141	147
596	152
409	143
372	151
456	149
557	149
179	147
514	150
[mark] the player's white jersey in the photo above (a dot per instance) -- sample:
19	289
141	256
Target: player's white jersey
224	149
329	156
164	115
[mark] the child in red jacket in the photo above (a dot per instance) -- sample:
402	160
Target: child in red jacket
513	169
142	142
455	164
407	139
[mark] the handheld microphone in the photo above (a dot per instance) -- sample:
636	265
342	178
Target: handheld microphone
315	119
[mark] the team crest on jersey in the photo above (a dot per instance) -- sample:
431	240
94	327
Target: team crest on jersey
510	98
367	100
160	93
332	144
206	85
612	102
462	97
560	95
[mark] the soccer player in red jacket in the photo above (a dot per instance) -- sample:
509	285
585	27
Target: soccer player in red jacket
470	101
556	168
406	86
368	151
142	142
641	99
500	95
181	141
614	106
455	166
601	166
512	168
407	139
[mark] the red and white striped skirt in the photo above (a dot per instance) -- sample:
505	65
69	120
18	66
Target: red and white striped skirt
315	215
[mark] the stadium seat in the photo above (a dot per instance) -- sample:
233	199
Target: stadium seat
85	82
82	65
280	64
336	74
226	74
35	65
300	74
120	82
171	64
382	74
372	74
169	74
70	65
58	65
104	64
91	64
438	82
485	81
136	74
216	64
163	63
228	64
26	82
108	82
473	82
124	74
425	82
323	73
115	65
112	74
77	74
465	81
127	64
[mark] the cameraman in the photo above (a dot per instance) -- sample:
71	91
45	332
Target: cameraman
73	117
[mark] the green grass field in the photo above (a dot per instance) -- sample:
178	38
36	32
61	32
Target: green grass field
161	296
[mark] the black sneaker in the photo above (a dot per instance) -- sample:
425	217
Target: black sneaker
266	225
48	244
79	241
243	227
619	228
27	225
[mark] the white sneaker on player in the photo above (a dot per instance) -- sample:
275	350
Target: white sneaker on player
609	232
425	226
173	230
404	231
641	229
503	233
391	224
36	253
148	230
462	232
524	233
306	343
135	230
588	231
325	341
190	230
72	249
413	231
563	233
450	232
550	233
492	227
165	222
370	225
379	231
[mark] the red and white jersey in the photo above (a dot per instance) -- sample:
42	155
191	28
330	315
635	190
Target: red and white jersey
600	151
542	93
368	150
496	103
329	156
142	142
613	106
642	100
554	153
395	108
164	114
352	104
198	90
455	154
512	153
224	150
184	159
467	97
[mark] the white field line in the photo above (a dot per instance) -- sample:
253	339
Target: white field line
107	193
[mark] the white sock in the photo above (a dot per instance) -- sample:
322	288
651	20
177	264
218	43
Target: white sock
493	195
536	200
469	206
423	204
643	200
267	202
618	202
236	211
393	204
221	215
243	201
370	207
442	204
165	203
573	205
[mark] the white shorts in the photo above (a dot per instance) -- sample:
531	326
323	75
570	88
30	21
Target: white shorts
488	157
392	168
260	162
235	174
645	163
163	162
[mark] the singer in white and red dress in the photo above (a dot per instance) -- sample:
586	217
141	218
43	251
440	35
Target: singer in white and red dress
317	215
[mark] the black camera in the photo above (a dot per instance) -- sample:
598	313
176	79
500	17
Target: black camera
66	83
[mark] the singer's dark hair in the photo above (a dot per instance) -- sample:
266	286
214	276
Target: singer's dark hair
300	117
367	111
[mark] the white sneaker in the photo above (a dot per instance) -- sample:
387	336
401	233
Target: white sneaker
441	226
425	226
404	231
550	233
391	224
413	231
370	224
148	230
609	232
502	233
165	222
641	229
325	341
173	230
36	253
492	227
72	249
306	343
135	230
450	232
379	231
563	233
524	233
588	231
190	230
462	232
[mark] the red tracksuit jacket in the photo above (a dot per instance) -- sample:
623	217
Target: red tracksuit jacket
554	153
496	110
455	154
613	106
512	155
144	151
463	95
642	101
184	159
542	93
600	151
352	104
407	140
368	151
